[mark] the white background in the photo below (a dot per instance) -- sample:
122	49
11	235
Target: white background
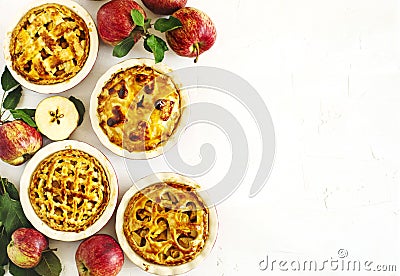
329	72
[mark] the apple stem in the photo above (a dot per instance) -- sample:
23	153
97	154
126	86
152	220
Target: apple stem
197	50
50	249
2	188
1	108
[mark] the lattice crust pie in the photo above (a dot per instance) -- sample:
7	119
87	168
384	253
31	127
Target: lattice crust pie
50	44
166	223
69	190
139	108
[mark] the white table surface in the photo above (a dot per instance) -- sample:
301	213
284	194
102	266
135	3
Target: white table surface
329	72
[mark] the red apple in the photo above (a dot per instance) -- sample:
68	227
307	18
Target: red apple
114	21
196	35
164	6
26	247
99	255
18	142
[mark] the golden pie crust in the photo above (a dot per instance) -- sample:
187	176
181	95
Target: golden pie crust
69	190
49	45
166	223
139	108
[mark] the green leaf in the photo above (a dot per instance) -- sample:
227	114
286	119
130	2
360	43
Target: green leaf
123	48
80	107
146	47
50	265
21	114
157	46
12	99
7	80
29	111
17	271
4	241
137	17
10	188
2	271
167	24
11	214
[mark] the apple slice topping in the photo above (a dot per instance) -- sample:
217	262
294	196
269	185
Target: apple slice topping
165	106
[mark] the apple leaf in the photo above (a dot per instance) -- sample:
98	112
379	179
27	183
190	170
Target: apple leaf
146	47
17	271
7	80
11	214
2	271
157	46
29	111
21	114
137	17
4	240
9	188
123	48
167	24
12	99
80	107
50	265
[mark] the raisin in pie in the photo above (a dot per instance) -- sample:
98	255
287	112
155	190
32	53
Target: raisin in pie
49	45
138	108
69	190
166	223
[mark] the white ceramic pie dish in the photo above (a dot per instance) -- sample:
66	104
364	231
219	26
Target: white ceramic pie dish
91	58
156	268
26	178
94	118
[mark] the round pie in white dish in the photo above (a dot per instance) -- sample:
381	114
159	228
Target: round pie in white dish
137	110
68	190
51	46
165	227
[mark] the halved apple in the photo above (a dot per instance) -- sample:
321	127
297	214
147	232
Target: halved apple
56	117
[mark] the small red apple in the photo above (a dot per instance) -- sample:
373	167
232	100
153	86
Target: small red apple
114	21
164	6
18	142
196	35
99	255
26	247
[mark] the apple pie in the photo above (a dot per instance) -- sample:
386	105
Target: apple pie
49	45
138	108
69	190
166	223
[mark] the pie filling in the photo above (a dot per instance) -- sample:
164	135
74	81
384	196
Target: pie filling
49	45
166	223
139	108
69	190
